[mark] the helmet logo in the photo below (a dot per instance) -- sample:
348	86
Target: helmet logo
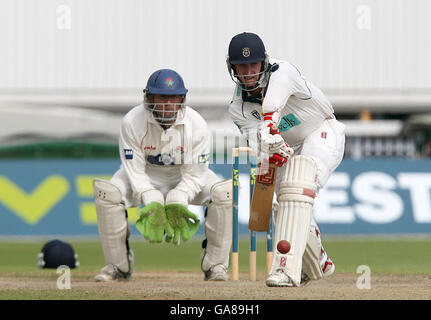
169	82
246	52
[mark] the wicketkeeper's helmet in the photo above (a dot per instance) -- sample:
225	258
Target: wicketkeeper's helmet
164	82
56	253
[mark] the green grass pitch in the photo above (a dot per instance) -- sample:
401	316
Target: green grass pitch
386	256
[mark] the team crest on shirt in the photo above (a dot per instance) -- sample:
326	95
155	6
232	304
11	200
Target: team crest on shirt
246	52
256	114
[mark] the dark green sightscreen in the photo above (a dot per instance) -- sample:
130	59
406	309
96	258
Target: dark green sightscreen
60	149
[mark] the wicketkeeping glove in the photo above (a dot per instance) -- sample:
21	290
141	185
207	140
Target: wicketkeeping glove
183	222
153	223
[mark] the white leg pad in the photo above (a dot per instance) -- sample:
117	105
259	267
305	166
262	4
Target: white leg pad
218	226
113	226
312	257
296	199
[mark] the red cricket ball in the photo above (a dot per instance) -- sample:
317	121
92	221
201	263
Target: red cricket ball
283	246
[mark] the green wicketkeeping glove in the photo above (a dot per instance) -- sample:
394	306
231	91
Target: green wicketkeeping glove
153	224
183	222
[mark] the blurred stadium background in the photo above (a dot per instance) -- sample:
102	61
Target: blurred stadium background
70	70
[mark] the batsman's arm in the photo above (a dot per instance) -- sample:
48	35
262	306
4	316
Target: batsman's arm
284	83
248	128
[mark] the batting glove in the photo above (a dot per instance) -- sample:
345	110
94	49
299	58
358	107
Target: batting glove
278	160
272	143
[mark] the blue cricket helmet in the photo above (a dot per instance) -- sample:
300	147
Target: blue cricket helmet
165	82
246	47
56	253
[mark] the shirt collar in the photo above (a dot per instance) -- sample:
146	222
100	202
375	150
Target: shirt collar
246	97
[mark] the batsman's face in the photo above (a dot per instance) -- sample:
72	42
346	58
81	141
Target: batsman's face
248	73
166	107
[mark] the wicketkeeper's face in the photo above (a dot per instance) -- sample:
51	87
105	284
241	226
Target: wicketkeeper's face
248	73
166	107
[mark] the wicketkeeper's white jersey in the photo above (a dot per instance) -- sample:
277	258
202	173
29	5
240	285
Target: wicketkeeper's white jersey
180	153
302	106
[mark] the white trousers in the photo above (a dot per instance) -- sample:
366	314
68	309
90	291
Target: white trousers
326	147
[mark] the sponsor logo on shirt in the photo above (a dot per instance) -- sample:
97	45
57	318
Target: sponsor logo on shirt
128	154
203	158
163	159
150	148
288	122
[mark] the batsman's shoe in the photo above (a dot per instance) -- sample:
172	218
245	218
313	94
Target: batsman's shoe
328	268
279	279
216	273
111	273
305	279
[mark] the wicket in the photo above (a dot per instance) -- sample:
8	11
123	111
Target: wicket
251	160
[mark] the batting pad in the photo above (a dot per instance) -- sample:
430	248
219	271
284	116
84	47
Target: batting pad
112	224
296	199
311	258
218	226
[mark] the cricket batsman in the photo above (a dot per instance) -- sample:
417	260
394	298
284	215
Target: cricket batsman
308	147
164	148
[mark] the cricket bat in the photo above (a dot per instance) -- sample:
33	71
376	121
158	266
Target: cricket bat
263	194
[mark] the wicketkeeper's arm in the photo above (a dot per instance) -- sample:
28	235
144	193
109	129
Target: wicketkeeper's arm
134	162
196	163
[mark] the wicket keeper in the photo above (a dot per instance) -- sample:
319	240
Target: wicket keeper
164	148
